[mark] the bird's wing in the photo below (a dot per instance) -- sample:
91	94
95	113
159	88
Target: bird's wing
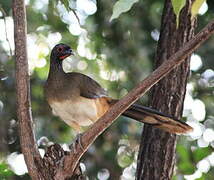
89	88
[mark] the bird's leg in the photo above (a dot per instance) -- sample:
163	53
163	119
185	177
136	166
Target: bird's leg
77	139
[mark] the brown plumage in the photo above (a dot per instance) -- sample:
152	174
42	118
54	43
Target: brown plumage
80	101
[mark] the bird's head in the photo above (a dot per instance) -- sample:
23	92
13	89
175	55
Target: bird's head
61	51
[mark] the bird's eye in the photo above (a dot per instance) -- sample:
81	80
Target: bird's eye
59	49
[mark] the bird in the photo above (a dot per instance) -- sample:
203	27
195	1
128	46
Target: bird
80	101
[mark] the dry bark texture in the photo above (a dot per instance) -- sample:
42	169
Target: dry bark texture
157	150
27	138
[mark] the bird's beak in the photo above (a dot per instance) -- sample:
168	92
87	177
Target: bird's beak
69	52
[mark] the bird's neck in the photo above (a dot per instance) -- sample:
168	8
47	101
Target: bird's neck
56	65
56	71
56	81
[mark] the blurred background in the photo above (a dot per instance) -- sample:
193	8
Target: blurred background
118	54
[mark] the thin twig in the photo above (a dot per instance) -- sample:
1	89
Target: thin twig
75	14
68	8
117	109
5	29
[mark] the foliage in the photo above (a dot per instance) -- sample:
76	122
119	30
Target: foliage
120	7
196	6
5	172
177	7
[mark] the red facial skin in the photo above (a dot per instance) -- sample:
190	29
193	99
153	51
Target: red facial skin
60	49
63	57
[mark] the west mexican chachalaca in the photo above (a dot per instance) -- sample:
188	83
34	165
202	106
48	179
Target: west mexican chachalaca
80	101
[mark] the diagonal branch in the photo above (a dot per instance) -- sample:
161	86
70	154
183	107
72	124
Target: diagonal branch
117	109
27	138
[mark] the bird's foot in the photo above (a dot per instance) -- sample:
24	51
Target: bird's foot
77	141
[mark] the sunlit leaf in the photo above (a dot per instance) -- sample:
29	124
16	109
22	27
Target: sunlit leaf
195	7
177	7
121	6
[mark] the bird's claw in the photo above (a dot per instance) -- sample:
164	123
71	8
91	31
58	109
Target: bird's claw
77	141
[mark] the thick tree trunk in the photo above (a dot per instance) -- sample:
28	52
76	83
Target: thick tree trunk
156	158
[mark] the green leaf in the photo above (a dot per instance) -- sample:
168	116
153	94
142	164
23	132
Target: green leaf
201	153
195	7
184	164
183	153
5	171
177	7
122	6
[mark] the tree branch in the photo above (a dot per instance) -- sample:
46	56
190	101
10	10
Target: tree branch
27	138
117	109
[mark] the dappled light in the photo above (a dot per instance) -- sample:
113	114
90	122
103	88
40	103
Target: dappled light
118	54
203	8
195	62
103	174
17	163
7	37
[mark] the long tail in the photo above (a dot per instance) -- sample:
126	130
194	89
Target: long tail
157	119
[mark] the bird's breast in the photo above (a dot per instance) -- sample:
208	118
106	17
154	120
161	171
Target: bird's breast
82	110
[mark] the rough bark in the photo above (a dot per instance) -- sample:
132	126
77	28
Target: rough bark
27	138
156	158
